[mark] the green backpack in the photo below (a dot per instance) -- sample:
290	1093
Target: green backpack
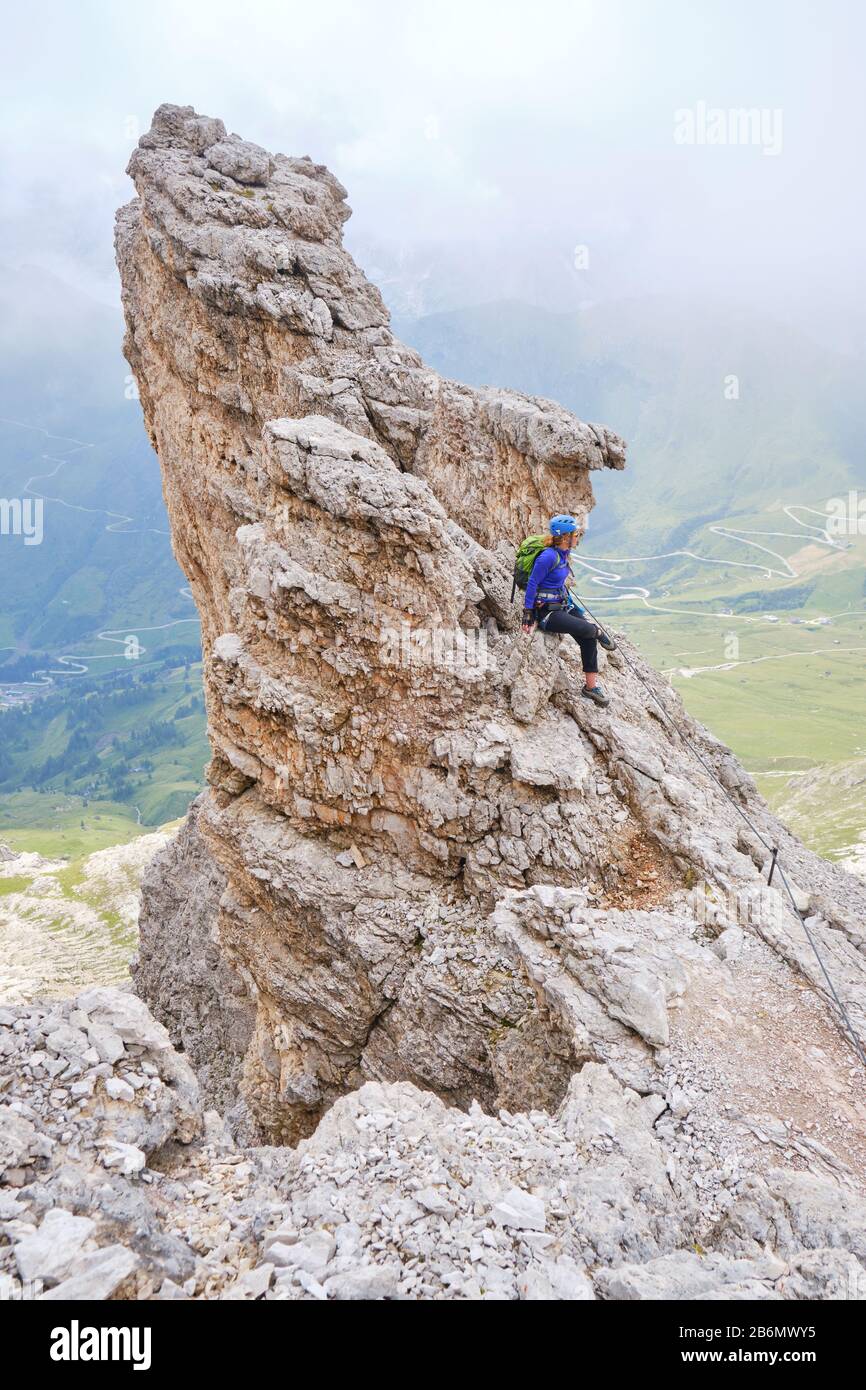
527	553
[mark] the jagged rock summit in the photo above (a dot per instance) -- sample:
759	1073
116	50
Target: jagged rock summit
422	860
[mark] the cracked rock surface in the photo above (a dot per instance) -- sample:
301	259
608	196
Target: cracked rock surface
499	965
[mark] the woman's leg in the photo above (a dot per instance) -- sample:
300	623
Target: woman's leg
585	635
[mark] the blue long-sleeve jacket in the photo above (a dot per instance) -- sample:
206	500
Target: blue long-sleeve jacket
550	571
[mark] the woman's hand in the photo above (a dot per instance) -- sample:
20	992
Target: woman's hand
528	622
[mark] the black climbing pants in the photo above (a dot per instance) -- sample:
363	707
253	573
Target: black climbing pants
584	633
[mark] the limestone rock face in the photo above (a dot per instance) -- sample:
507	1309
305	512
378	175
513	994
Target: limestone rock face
423	859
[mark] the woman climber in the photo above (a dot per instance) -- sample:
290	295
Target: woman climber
549	604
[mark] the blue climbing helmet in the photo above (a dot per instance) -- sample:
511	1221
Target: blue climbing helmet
563	524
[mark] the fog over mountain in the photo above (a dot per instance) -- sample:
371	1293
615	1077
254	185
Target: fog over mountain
522	194
725	412
492	152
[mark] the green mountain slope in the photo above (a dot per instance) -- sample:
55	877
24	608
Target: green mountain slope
133	741
71	433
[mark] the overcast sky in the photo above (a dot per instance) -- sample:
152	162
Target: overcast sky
485	141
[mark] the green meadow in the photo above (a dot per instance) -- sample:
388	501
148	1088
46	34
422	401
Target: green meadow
100	761
773	664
